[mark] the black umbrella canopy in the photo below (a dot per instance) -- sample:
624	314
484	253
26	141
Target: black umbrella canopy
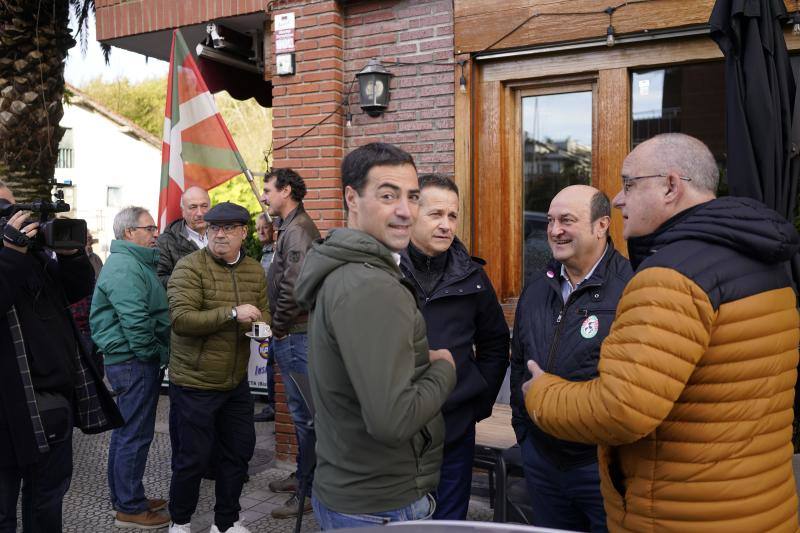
763	160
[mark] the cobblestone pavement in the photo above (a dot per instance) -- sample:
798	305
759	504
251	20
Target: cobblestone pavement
88	510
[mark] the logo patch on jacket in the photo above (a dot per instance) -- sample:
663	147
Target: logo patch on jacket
590	327
294	256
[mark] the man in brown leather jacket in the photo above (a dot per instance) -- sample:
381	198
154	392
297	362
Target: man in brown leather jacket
284	191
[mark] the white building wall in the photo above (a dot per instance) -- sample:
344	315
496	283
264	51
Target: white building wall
107	157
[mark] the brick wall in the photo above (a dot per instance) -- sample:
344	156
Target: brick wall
421	106
333	42
299	102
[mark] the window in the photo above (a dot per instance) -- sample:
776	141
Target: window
114	197
66	154
686	99
557	152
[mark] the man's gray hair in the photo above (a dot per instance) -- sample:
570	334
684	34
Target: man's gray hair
127	218
689	157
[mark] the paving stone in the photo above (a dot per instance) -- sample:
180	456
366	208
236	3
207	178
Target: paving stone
87	508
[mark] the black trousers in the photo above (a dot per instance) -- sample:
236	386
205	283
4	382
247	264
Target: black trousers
44	485
198	420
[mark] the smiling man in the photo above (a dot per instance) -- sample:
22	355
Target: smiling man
463	315
377	388
562	317
692	407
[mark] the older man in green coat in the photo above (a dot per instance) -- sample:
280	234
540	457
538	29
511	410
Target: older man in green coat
129	320
214	296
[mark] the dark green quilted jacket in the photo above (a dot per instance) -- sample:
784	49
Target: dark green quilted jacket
208	349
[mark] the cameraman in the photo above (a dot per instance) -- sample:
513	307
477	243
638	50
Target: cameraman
47	384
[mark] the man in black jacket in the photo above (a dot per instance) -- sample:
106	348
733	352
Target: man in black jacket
462	314
284	190
48	384
184	235
563	315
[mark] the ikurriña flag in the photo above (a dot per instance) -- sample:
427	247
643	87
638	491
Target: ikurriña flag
198	149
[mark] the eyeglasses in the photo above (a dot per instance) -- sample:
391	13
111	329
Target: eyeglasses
627	182
149	229
227	228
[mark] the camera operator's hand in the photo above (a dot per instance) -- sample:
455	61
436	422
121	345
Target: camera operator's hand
12	229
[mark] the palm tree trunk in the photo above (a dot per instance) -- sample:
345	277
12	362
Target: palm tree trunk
34	41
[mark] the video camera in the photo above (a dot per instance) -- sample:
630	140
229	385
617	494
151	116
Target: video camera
54	233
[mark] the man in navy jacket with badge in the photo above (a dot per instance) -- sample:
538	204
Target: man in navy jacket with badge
462	314
562	317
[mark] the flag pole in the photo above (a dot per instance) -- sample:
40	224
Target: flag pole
249	175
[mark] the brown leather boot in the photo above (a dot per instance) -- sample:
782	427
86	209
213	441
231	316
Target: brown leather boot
156	504
144	520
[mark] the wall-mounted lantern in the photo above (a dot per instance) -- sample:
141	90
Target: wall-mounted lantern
374	83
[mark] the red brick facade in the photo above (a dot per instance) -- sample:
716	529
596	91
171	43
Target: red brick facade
120	18
333	41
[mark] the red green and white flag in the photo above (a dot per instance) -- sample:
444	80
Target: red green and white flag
198	149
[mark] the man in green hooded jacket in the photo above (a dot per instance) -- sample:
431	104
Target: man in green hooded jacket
377	388
129	320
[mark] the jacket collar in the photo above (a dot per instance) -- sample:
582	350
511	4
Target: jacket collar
291	216
224	263
553	271
640	248
459	264
144	255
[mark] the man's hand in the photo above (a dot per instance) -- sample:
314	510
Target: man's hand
443	354
16	221
536	373
246	313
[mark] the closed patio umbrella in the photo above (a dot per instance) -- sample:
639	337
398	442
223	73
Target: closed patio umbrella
761	108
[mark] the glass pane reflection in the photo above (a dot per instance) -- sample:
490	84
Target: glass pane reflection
557	151
686	99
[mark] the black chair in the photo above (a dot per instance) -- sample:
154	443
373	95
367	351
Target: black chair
501	466
309	462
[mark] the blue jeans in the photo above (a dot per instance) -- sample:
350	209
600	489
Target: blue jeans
455	481
563	499
291	354
327	518
137	384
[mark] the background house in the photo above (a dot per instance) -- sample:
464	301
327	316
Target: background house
105	163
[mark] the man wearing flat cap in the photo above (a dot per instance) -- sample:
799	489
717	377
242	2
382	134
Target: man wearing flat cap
214	296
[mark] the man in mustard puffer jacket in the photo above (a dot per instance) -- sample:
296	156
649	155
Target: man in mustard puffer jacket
214	296
692	408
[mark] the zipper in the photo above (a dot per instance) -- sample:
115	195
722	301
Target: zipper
236	326
560	322
585	312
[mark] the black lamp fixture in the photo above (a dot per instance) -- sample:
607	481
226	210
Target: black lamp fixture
373	81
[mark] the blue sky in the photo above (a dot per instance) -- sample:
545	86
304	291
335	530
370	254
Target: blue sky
82	68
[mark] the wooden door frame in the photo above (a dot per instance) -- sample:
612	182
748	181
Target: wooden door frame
495	117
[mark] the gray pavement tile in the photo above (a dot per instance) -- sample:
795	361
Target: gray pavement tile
87	508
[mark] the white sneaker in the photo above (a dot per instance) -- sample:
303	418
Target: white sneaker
180	528
237	527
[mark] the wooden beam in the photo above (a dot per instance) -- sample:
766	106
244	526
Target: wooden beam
478	23
613	139
463	146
